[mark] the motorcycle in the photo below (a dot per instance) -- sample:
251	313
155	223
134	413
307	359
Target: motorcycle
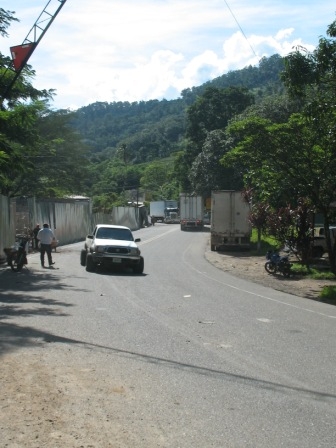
277	263
17	256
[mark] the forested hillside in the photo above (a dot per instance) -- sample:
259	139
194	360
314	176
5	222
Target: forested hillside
154	129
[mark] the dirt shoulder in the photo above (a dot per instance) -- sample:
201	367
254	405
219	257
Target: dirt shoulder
244	265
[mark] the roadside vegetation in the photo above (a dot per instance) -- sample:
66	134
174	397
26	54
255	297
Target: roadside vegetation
316	270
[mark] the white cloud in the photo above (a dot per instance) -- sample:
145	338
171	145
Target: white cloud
139	50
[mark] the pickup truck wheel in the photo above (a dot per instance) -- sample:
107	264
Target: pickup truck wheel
83	257
139	267
90	265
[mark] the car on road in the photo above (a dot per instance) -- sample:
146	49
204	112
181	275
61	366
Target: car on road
112	246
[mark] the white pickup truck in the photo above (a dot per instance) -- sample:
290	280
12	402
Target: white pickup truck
111	246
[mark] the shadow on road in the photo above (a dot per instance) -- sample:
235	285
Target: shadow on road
22	295
21	336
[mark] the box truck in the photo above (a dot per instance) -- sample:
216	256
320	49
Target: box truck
191	212
230	227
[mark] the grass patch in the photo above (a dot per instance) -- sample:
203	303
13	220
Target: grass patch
266	243
328	295
315	273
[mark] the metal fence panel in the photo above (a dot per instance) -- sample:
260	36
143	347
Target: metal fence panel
7	224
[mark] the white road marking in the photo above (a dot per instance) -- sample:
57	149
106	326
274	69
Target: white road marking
157	237
252	293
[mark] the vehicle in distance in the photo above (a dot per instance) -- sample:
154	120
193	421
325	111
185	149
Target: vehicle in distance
111	246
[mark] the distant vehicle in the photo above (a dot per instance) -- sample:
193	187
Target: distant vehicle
230	228
172	215
164	211
111	246
191	212
207	218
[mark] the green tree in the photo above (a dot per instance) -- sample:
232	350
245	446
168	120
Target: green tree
60	167
213	110
19	114
207	173
154	179
311	76
6	18
285	162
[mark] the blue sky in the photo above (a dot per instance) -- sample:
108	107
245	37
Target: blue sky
119	50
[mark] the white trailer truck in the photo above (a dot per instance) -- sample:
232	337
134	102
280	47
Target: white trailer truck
191	212
230	228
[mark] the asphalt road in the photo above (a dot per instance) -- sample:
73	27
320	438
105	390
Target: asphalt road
202	359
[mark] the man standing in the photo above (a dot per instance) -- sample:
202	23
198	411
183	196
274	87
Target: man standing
35	240
46	236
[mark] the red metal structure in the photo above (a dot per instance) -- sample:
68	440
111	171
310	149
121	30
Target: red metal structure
21	53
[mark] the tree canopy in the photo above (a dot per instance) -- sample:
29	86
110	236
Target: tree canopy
40	154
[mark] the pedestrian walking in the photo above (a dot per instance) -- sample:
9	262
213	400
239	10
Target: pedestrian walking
46	236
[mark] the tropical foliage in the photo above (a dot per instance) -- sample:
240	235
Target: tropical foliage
40	154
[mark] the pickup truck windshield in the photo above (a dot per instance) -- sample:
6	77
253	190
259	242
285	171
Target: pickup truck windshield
114	234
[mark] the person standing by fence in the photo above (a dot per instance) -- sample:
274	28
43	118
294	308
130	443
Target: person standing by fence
35	239
46	236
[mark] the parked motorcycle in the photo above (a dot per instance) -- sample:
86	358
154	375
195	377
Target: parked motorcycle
17	256
278	264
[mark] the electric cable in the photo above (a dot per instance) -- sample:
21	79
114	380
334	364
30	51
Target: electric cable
241	29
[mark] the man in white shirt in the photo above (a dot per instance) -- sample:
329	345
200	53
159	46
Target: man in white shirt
46	236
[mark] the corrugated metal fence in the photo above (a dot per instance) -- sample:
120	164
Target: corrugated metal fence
70	219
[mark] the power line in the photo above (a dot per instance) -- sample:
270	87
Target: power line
241	29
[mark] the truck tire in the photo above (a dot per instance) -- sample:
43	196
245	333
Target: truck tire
90	265
83	257
139	267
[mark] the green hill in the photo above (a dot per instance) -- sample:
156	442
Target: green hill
154	129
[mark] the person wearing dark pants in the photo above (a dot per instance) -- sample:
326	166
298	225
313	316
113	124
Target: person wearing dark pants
35	240
45	237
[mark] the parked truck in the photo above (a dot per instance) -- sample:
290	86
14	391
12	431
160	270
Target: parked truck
164	211
230	228
172	212
191	212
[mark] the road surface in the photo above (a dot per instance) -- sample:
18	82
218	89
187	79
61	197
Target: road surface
184	355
